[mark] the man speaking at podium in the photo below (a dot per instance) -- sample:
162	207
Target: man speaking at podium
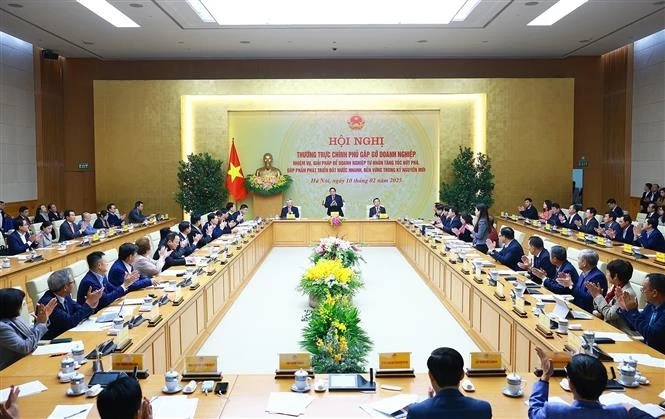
334	202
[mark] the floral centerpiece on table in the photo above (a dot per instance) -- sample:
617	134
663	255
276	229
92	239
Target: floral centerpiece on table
329	276
336	248
334	337
336	220
268	184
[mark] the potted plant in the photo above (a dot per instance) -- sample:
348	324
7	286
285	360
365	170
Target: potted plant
201	183
329	277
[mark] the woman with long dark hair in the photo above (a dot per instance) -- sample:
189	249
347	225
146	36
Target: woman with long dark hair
481	229
547	211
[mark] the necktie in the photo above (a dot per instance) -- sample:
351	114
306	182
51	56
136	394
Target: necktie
71	225
653	317
64	305
610	295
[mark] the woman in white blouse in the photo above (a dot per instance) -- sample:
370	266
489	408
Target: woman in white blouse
45	237
146	265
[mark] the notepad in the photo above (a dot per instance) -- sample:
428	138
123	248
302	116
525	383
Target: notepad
71	411
642	359
27	389
57	348
174	407
621	398
292	404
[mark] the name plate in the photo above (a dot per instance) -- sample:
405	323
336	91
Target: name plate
383	216
548	227
565	231
295	361
486	360
122	336
628	248
153	313
177	294
126	361
290	216
519	304
395	360
201	364
580	235
600	240
660	257
574	341
544	321
334	213
559	359
499	288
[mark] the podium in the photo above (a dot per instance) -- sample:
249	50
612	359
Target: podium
267	206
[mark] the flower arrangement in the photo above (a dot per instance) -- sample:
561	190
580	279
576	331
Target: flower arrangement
329	277
336	221
336	248
334	337
268	184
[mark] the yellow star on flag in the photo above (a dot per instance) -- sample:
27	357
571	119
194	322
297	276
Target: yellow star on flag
234	172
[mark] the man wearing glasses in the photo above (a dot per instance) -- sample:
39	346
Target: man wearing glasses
650	323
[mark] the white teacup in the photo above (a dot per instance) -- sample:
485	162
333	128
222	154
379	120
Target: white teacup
515	384
302	379
563	326
77	383
627	374
171	380
118	322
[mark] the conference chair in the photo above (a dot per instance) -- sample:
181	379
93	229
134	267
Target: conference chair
35	228
299	210
79	269
602	266
25	313
110	256
77	219
548	245
661	229
641	217
93	217
582	214
37	287
31	218
519	236
2	240
573	257
56	228
637	281
154	241
175	228
367	207
599	218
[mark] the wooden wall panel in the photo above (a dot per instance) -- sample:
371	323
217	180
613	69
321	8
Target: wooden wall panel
587	72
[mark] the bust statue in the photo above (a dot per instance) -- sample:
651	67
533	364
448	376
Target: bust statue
268	169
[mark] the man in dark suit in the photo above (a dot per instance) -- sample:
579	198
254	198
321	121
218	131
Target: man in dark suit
587	378
446	370
647	197
334	202
115	218
376	209
571	219
238	217
650	323
609	224
511	253
69	230
96	279
614	208
563	269
541	260
289	208
652	211
67	313
556	214
187	246
590	223
102	221
649	237
587	262
124	268
23	214
176	258
136	216
53	214
20	240
452	221
211	229
527	210
195	224
625	232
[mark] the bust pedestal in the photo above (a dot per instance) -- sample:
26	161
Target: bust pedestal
267	206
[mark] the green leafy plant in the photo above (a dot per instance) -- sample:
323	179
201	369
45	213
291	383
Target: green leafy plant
334	337
329	276
472	181
267	185
200	183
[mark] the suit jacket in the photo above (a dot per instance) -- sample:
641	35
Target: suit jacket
540	408
135	216
554	219
116	277
147	266
285	211
65	316
54	216
589	226
610	310
566	268
449	403
202	241
16	245
111	292
66	232
101	223
3	220
652	215
617	211
216	232
372	211
39	218
339	203
530	213
653	241
176	258
510	255
583	298
114	220
570	222
450	223
542	261
187	249
625	236
650	323
14	343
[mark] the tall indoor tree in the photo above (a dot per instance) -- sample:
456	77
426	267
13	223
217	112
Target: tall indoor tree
201	185
472	181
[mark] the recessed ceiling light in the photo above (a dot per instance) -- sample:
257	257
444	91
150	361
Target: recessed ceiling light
109	13
584	41
201	11
484	42
531	3
15	5
421	41
466	10
181	42
88	43
245	42
558	11
135	5
345	12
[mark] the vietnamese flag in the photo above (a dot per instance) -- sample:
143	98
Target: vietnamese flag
235	180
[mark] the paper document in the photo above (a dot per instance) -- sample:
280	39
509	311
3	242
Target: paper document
662	394
642	359
393	404
617	337
551	399
133	301
27	389
172	272
90	325
126	311
292	404
57	348
71	411
621	398
174	407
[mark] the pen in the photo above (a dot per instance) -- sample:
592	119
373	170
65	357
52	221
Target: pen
58	354
75	414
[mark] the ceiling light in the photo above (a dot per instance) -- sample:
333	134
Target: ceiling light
531	3
109	13
466	10
555	13
343	12
201	10
15	5
136	5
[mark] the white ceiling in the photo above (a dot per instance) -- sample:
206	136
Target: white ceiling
170	30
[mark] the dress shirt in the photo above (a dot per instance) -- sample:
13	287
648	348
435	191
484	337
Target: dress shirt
89	229
626	235
19	243
69	231
650	323
334	204
66	315
542	261
652	240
